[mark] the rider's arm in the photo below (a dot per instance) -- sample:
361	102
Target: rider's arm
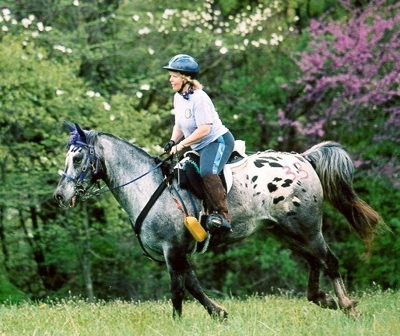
177	133
200	132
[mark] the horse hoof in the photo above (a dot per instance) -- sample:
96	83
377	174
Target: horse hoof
220	315
324	301
353	313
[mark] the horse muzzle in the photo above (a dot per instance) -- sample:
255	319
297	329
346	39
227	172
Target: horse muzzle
63	201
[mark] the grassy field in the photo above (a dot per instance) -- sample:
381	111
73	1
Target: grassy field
267	315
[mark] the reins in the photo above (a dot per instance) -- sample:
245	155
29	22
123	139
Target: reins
137	225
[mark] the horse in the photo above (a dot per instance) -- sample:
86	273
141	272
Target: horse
284	191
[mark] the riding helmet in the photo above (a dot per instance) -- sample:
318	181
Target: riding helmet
183	64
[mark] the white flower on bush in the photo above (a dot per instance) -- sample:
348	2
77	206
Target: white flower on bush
139	94
144	31
145	87
26	22
60	48
6	12
107	106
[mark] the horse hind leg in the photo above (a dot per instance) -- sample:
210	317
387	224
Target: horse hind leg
324	258
332	270
314	294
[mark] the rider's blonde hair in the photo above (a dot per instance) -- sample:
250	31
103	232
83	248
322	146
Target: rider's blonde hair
194	83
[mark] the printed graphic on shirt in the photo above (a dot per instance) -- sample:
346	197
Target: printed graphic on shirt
188	113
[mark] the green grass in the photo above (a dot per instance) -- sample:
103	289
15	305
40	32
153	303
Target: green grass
268	315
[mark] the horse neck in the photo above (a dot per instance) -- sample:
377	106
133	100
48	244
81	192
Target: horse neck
123	162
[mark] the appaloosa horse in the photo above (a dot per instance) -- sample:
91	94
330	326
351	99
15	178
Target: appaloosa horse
282	190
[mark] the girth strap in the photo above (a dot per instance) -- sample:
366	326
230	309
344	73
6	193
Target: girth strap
137	226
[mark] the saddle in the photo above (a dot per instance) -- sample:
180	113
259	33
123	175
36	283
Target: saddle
187	171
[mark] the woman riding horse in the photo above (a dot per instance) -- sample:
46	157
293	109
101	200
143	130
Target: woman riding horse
197	121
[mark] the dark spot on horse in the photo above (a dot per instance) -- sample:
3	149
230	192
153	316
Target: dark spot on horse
270	158
297	204
287	183
255	186
315	198
303	190
299	158
291	213
278	199
277	179
299	183
247	177
260	163
254	179
272	187
275	165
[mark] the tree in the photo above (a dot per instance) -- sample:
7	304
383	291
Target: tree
348	80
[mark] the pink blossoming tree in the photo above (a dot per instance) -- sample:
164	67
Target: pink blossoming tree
349	87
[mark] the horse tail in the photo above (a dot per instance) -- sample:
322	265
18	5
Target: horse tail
335	170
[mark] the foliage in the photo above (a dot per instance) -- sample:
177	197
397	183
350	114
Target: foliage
349	81
100	64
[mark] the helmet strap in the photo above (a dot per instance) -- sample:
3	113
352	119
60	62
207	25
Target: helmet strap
182	86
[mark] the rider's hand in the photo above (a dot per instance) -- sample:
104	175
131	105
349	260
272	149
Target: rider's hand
178	148
169	145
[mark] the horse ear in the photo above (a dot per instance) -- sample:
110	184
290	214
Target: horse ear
81	133
71	127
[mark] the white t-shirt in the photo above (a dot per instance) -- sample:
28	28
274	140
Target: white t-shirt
196	111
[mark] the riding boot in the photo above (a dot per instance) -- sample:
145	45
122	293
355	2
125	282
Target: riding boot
216	200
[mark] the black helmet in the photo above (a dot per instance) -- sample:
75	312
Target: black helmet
183	64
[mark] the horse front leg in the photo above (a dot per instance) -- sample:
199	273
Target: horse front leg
176	264
194	288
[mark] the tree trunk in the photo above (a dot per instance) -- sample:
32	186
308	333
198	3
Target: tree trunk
4	247
86	255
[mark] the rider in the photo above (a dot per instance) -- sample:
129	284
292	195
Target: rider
198	123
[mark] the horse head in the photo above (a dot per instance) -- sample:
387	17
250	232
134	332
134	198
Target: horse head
80	167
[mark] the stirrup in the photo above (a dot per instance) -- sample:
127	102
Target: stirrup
217	221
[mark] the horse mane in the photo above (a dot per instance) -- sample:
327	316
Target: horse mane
93	135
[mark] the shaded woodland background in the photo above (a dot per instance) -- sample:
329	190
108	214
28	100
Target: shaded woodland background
283	74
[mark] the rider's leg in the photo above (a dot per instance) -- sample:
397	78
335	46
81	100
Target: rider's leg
212	160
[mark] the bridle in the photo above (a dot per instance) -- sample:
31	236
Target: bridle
92	163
